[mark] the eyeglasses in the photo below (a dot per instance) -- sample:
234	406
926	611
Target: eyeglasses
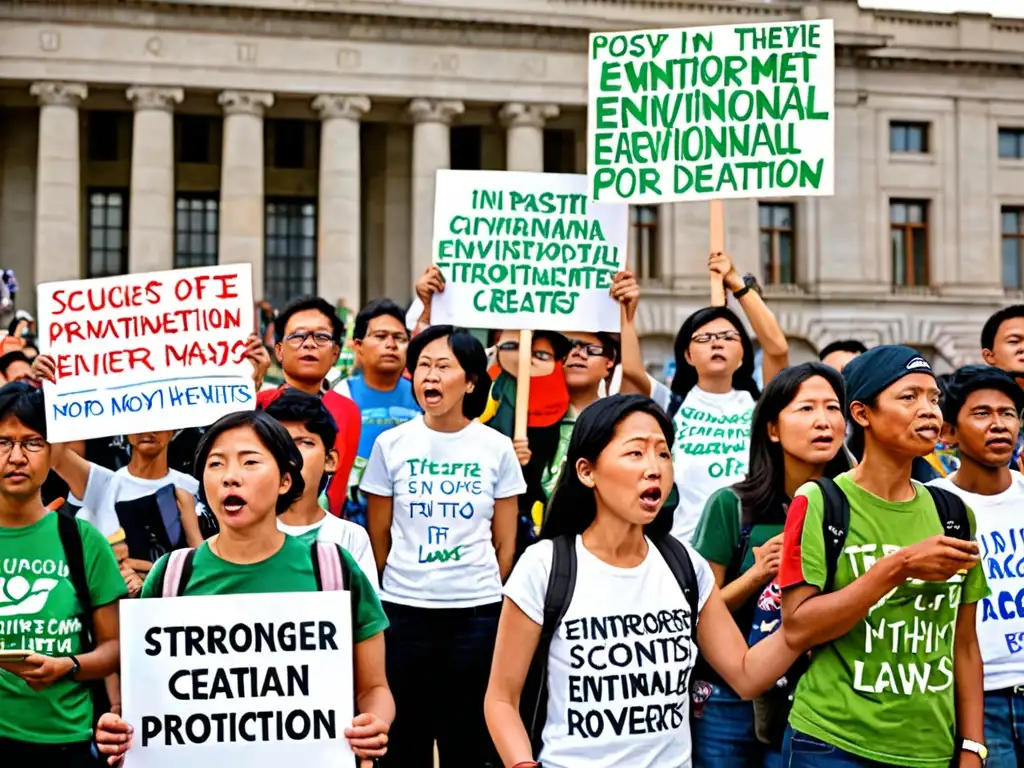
381	337
540	355
298	338
31	445
707	338
591	350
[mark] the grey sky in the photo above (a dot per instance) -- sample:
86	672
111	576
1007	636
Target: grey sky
1002	8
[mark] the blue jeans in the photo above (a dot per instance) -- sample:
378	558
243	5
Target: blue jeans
802	751
1004	728
438	661
722	731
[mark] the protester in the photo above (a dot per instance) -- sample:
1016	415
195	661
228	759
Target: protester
251	472
309	334
839	353
603	663
314	432
796	436
981	410
888	599
65	617
1002	345
384	396
442	491
15	366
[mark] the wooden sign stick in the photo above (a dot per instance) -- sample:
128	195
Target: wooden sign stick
523	383
716	221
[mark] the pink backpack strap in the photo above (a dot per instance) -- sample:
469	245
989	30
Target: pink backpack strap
330	569
173	571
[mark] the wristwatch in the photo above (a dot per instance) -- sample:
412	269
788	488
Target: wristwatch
75	666
977	748
749	283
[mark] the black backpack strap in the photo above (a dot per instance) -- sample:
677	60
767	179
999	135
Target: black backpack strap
74	555
675	402
681	565
835	525
952	513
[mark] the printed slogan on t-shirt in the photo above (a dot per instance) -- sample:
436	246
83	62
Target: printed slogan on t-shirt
243	680
526	250
162	350
712	112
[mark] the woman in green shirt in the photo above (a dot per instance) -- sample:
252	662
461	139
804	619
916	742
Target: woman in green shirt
251	472
46	708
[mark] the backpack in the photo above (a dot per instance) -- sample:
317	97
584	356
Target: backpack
561	585
74	556
329	567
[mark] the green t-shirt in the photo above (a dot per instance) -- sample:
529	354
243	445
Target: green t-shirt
883	691
551	473
40	612
290	569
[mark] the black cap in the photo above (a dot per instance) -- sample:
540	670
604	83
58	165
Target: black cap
869	374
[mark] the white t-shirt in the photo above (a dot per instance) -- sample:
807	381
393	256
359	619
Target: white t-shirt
608	705
443	487
1000	617
348	535
104	488
660	394
711	450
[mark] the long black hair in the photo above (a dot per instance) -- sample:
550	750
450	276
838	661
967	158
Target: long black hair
686	375
762	493
573	508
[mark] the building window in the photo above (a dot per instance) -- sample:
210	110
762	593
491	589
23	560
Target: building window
196	227
643	241
291	250
104	135
908	222
1013	248
560	151
195	139
108	232
777	224
466	147
289	140
1011	143
908	137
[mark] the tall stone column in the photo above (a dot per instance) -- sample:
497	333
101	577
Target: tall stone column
241	182
58	254
431	152
339	239
525	139
151	222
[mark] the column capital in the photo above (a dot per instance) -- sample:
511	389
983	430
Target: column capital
161	99
520	115
51	94
331	106
434	111
245	102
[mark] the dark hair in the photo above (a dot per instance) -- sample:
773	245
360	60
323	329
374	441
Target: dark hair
686	375
274	438
762	493
972	378
843	345
376	308
21	400
572	508
300	407
17	356
991	327
304	304
471	356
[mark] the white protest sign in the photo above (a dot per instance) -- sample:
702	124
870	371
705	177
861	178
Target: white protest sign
151	351
703	113
261	680
526	251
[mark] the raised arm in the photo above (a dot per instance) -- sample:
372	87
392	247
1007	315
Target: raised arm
626	291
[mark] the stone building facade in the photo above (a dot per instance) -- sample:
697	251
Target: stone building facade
303	136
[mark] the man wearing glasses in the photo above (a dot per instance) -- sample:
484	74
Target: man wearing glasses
309	334
384	396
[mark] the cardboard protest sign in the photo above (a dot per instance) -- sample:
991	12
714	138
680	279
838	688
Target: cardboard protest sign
712	112
259	680
152	351
526	250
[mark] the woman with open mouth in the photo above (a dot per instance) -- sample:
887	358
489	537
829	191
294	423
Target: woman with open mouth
604	617
796	436
442	507
252	472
